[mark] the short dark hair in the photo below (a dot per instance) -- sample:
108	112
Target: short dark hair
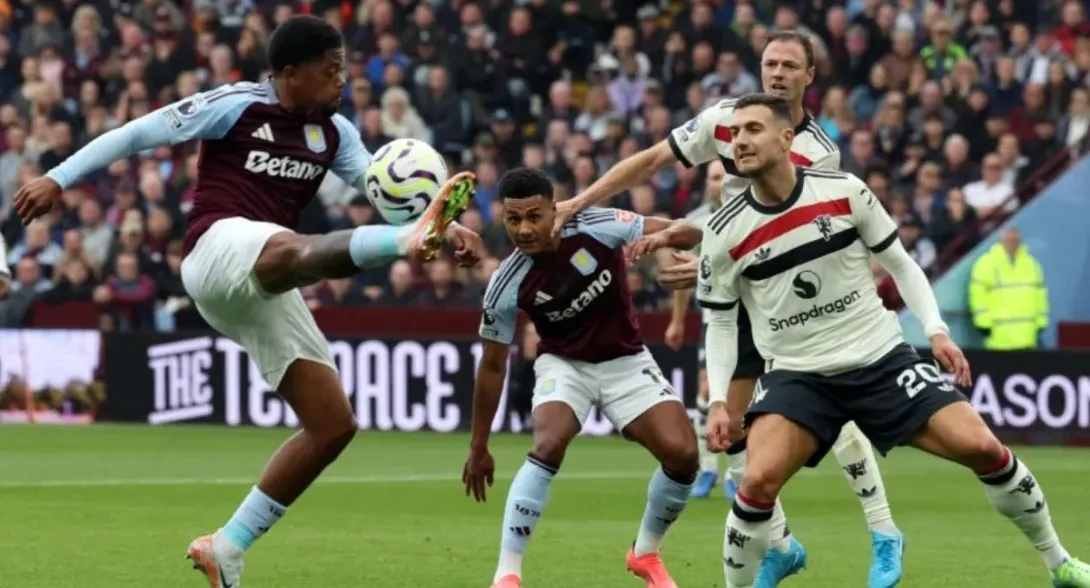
796	37
525	182
779	107
300	40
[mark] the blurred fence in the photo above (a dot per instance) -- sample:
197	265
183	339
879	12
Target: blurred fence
418	383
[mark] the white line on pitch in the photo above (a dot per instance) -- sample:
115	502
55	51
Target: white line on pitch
404	479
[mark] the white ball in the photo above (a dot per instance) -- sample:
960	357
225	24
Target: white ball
404	176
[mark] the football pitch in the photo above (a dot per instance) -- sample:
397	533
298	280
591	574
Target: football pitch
115	506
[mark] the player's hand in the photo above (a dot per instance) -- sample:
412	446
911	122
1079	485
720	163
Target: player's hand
952	358
36	198
646	245
477	473
5	287
468	246
718	428
565	211
681	276
675	335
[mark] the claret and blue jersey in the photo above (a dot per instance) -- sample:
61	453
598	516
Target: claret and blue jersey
258	160
577	297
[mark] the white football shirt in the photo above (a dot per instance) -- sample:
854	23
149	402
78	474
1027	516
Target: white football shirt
802	270
708	136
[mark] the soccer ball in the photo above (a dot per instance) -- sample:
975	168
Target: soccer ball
404	176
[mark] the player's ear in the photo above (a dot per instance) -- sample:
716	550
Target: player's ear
788	136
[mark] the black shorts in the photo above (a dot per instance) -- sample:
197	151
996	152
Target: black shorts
750	363
890	400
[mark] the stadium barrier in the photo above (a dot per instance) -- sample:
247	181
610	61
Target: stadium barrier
418	383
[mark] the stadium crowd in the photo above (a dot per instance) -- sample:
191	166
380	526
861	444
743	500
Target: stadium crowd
942	107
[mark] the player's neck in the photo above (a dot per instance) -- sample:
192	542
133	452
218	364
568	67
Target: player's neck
283	97
798	113
775	186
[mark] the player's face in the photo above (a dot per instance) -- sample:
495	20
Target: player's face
784	72
761	141
529	223
321	83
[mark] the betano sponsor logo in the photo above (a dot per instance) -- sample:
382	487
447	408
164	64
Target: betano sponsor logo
815	312
261	162
585	298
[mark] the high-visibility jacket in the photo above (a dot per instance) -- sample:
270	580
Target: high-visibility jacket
1008	298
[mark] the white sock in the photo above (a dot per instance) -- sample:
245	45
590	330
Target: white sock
510	564
709	462
1014	492
736	466
779	534
856	457
745	541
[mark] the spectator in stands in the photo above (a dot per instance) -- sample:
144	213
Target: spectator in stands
919	247
130	291
443	290
992	192
73	283
38	245
956	220
399	290
566	87
400	119
1007	295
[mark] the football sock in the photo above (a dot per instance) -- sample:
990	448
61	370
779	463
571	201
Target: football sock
709	462
1014	492
526	501
779	533
375	245
254	517
666	497
745	540
856	456
736	461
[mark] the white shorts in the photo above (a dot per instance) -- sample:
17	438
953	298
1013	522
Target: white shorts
275	329
623	388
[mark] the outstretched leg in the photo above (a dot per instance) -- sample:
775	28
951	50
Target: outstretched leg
555	425
957	433
290	260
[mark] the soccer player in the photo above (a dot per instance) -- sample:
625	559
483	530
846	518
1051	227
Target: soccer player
795	248
787	67
573	289
265	149
708	478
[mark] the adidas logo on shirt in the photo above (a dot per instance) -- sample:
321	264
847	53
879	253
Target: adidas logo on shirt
264	132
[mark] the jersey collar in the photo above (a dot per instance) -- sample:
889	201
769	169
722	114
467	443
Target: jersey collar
806	120
776	208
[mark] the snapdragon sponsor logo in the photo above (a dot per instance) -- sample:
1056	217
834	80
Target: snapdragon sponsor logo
815	312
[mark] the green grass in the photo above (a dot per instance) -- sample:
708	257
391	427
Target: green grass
109	506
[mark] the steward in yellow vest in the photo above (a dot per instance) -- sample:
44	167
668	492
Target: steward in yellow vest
1007	295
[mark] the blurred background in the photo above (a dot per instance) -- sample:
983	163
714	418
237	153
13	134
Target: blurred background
968	119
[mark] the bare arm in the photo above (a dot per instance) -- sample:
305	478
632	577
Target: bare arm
491	376
679	234
681	301
627	174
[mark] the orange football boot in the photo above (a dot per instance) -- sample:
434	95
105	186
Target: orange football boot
451	201
650	569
